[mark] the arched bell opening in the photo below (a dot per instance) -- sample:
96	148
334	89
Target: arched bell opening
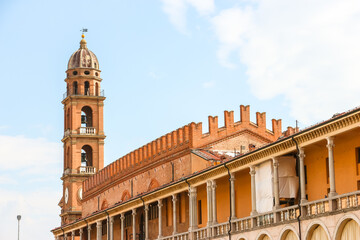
87	88
75	88
86	156
86	117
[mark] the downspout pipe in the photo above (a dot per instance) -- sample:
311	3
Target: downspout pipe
108	225
230	228
299	191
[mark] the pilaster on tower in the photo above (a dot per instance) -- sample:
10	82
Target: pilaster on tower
83	128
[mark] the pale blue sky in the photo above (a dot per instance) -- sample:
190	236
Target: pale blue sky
164	64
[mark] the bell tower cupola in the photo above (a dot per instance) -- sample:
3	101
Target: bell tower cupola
83	128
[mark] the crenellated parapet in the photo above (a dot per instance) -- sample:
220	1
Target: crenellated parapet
181	140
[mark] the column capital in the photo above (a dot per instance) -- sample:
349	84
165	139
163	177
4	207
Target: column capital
252	170
232	176
213	183
89	227
330	142
146	207
112	219
208	183
160	203
192	190
301	153
81	231
133	211
73	233
174	197
122	216
98	224
275	161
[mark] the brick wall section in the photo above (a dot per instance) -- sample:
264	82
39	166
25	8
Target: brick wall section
182	139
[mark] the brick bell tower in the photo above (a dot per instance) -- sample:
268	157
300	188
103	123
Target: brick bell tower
83	129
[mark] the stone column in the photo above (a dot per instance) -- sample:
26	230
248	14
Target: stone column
81	233
253	191
232	196
134	223
99	230
65	236
122	218
276	183
214	208
193	211
302	176
174	200
89	232
160	217
111	230
72	235
209	202
146	210
330	145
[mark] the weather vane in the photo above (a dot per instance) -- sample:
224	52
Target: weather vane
83	30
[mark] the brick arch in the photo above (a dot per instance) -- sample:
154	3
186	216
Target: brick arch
125	196
153	184
104	205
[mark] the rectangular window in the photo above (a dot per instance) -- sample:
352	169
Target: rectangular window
358	185
199	212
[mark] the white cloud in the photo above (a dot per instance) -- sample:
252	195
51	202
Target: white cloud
29	186
176	10
306	51
19	152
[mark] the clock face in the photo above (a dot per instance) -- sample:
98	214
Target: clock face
80	192
66	195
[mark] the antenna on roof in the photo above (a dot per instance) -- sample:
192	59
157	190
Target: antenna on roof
84	30
296	124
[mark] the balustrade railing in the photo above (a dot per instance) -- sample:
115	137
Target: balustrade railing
348	200
87	130
67	132
87	93
242	224
220	229
288	213
282	215
201	233
316	207
87	169
178	236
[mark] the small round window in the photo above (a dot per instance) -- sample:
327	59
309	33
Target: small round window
87	72
74	72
